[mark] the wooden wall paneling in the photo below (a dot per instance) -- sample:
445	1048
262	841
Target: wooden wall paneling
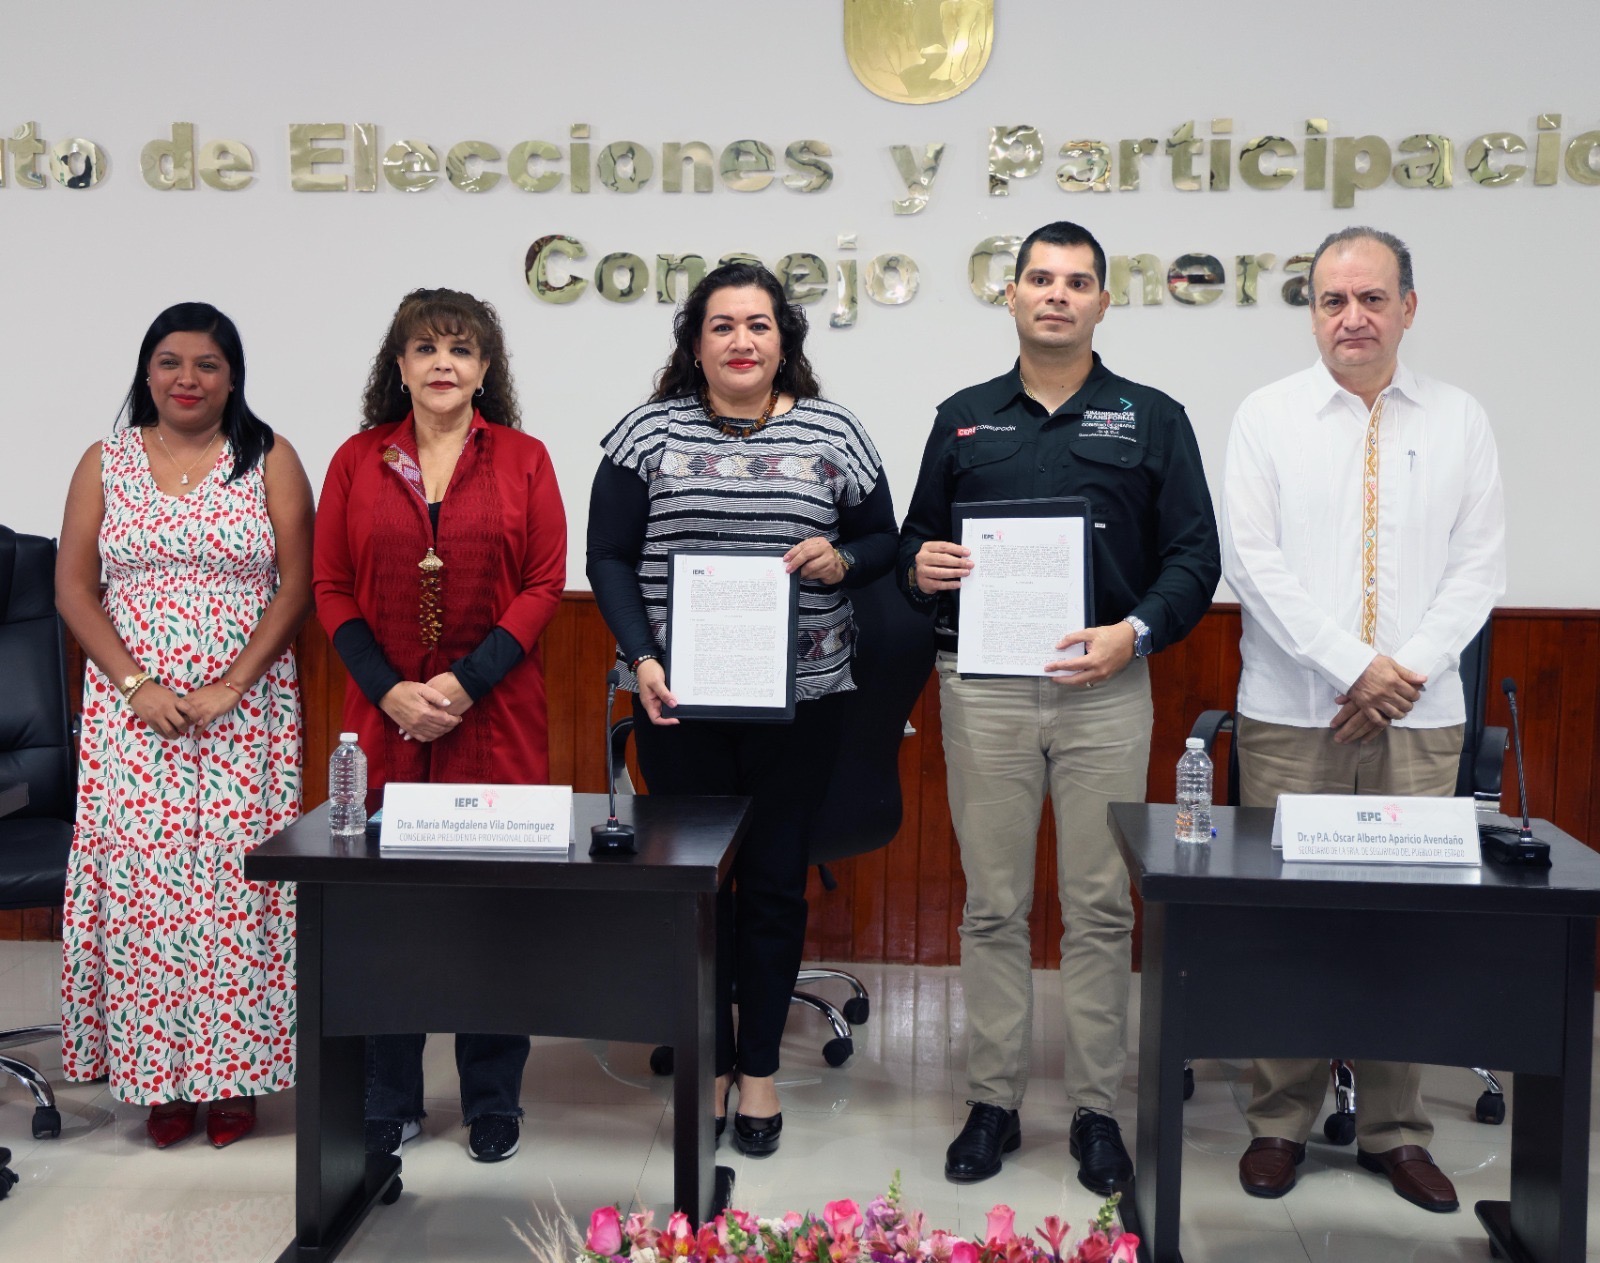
940	890
901	876
1508	656
1573	721
1542	691
904	902
558	651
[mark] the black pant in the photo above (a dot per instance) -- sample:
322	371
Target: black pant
489	1067
761	914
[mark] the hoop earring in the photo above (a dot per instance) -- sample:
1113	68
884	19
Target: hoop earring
783	361
478	393
696	364
404	389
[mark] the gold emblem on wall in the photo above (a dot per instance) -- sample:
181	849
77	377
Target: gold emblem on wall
918	51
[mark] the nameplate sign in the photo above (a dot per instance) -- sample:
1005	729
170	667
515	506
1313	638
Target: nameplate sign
496	818
1375	829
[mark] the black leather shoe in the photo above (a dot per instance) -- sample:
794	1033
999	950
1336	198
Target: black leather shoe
757	1137
975	1153
1095	1141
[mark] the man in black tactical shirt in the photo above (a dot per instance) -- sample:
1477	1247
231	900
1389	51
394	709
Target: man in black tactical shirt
1057	424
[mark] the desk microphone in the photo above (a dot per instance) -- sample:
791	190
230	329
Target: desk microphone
1519	846
611	839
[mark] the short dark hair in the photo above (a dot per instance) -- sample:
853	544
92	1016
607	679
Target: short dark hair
1063	233
1402	255
443	313
250	437
682	375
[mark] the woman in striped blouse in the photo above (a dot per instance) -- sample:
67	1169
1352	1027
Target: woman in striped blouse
737	448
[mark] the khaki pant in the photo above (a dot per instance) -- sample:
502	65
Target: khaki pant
1006	742
1277	759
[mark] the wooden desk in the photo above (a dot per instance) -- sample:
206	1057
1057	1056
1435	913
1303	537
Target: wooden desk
1245	956
13	797
599	949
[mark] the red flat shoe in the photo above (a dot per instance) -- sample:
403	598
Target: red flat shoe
232	1118
170	1122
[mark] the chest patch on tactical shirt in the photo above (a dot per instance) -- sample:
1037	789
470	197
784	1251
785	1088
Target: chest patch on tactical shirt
1100	424
967	431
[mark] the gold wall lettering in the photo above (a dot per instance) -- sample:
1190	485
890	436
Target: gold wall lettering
1015	153
893	279
692	267
1196	280
170	162
916	52
1485	172
917	172
25	149
77	163
1122	268
1087	167
804	277
674	154
1434	170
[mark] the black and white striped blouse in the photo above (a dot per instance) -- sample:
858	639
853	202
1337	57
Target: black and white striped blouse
783	484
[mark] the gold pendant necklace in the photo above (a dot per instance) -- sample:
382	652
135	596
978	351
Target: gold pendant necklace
183	479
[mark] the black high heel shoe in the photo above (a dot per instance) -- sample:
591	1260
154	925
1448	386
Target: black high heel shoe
757	1137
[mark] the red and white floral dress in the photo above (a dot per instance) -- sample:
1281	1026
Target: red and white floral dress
178	975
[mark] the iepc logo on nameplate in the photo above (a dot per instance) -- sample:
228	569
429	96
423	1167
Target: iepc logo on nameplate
493	818
1374	829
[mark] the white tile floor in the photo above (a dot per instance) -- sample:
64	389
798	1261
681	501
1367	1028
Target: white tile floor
598	1129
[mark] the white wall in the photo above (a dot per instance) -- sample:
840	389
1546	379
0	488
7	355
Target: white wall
1507	277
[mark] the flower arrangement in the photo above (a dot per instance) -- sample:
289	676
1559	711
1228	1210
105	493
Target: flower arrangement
884	1232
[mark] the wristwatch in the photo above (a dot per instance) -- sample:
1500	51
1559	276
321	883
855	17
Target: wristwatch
131	684
1141	636
846	559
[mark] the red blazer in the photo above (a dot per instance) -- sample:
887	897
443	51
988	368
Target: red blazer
503	540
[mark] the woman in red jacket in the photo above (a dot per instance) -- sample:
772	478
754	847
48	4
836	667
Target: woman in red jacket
440	557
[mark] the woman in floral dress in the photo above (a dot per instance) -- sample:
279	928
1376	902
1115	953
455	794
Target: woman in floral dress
178	975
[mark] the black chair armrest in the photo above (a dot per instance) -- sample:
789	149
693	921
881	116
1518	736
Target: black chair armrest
1210	723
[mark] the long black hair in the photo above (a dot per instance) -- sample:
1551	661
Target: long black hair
250	436
441	313
682	375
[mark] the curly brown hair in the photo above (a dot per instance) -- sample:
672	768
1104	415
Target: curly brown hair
681	375
441	313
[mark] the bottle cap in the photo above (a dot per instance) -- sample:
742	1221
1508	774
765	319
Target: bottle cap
351	737
1193	743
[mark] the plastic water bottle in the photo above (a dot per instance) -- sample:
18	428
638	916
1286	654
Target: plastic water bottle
1194	793
347	789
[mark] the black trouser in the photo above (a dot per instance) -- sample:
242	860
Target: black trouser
761	914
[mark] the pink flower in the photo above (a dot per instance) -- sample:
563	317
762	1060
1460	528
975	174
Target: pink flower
1055	1231
937	1246
1002	1225
1095	1248
843	1218
1126	1249
640	1230
605	1231
792	1220
963	1252
679	1237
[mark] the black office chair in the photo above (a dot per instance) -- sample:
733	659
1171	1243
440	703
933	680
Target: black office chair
1483	752
861	806
37	748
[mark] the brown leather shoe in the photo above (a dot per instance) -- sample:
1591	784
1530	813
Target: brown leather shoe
1266	1168
1411	1170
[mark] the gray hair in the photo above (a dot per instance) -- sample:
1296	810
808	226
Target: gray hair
1397	247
